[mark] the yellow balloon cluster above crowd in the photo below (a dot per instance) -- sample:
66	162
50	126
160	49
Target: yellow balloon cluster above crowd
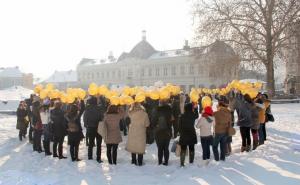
128	95
122	96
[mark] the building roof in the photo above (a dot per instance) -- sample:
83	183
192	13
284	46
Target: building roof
11	72
62	76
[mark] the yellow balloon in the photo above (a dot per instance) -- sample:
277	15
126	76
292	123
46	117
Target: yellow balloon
114	100
49	86
93	90
206	101
140	97
82	94
38	88
194	96
102	90
154	95
164	94
44	94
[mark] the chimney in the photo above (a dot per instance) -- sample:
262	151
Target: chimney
144	35
186	45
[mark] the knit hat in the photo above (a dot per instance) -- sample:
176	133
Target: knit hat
208	110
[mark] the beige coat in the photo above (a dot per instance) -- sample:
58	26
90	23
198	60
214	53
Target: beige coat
112	126
139	121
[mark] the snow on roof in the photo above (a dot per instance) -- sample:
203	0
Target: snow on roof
62	76
15	93
252	81
11	72
170	53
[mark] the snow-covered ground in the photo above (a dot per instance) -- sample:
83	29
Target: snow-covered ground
277	162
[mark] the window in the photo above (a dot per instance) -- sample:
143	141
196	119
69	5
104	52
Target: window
191	69
98	75
102	74
150	71
157	71
119	73
92	76
200	69
88	76
113	74
173	70
142	72
165	71
182	70
129	72
107	74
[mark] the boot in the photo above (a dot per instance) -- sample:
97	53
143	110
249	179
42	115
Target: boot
192	156
60	153
255	144
90	153
248	148
182	158
47	148
243	149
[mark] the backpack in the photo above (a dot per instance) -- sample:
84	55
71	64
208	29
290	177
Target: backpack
72	126
161	123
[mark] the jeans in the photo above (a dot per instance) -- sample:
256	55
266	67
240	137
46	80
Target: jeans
92	135
163	151
219	139
261	134
245	134
206	142
37	137
191	151
111	153
58	144
74	148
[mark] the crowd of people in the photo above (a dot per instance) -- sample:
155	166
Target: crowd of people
151	121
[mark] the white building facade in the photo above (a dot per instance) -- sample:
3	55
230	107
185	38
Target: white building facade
209	66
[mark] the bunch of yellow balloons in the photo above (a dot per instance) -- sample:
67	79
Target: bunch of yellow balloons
50	92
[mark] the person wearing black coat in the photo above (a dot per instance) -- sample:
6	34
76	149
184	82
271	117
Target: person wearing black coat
22	122
93	114
162	121
74	129
176	115
37	127
187	132
29	110
59	129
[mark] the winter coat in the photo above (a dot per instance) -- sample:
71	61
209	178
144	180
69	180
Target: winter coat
112	126
92	115
222	120
205	125
139	121
187	128
166	134
255	116
22	123
59	124
244	113
262	112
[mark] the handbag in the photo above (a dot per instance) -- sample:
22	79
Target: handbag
269	117
101	130
231	131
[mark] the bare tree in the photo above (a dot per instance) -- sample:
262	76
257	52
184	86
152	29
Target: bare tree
258	30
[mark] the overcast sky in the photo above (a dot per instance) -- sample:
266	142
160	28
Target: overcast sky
41	36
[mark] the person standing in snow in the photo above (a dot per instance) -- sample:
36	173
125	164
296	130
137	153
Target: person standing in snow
256	124
187	132
74	129
45	117
59	129
205	124
243	108
162	121
221	127
37	126
176	115
22	120
93	114
136	143
113	134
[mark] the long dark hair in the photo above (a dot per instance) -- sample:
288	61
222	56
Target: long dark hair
72	111
112	109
